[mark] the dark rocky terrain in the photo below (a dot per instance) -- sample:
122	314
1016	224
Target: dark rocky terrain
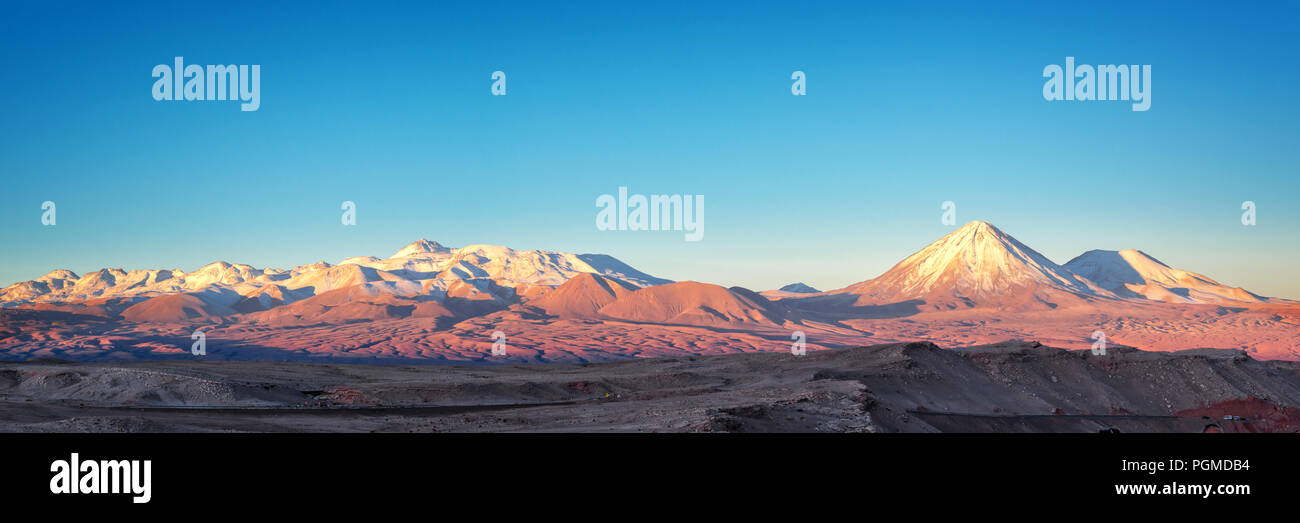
910	387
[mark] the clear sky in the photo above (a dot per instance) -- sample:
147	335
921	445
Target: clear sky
389	106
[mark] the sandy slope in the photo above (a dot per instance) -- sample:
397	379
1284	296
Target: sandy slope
535	336
583	296
694	303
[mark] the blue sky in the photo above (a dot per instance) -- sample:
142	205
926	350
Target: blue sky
389	106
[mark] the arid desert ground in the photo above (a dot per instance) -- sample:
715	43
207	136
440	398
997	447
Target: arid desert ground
904	387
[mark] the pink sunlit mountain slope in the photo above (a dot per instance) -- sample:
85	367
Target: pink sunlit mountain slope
1132	273
431	303
978	265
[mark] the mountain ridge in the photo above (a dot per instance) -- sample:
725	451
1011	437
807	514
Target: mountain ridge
1133	273
976	284
974	266
422	267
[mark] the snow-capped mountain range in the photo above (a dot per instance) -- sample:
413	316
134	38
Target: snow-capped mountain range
429	302
976	265
422	268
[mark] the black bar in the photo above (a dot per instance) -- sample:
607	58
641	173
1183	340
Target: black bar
408	470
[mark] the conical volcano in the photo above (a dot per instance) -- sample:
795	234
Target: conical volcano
977	265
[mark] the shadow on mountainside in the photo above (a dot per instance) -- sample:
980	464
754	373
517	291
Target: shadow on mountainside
843	307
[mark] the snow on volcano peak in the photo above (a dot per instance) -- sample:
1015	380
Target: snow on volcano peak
59	274
221	272
977	264
1133	273
420	246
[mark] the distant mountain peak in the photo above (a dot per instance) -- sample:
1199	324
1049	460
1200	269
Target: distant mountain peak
974	265
1133	273
59	274
799	288
1114	269
420	246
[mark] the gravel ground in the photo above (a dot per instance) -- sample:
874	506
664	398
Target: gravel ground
912	387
